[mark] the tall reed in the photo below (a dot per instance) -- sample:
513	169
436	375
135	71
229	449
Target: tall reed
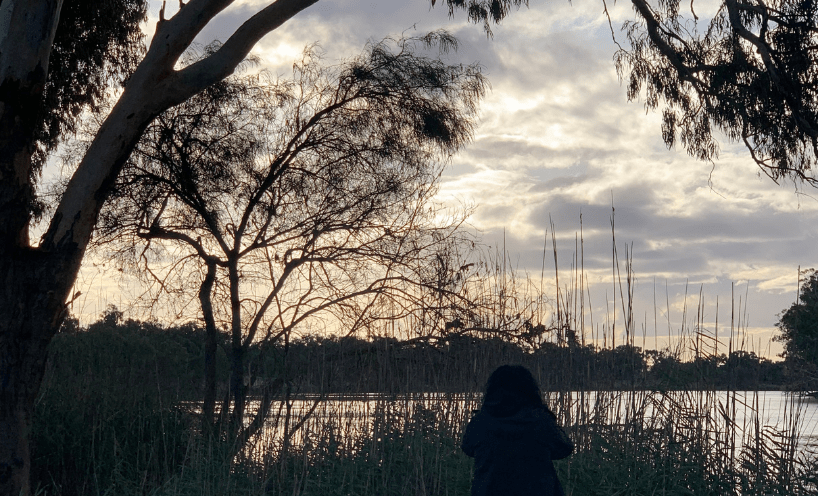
108	423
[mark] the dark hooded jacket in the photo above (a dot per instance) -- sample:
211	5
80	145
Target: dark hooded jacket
512	454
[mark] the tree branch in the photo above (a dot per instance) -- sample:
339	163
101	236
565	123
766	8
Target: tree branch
654	32
221	64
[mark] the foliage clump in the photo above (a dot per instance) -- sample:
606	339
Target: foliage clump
799	331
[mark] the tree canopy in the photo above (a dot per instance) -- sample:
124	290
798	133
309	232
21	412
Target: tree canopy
96	47
292	204
750	72
799	327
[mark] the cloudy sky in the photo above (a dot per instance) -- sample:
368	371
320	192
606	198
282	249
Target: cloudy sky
557	138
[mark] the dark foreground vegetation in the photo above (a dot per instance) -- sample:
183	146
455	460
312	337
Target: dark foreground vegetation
117	415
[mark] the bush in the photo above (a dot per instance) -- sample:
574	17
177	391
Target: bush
112	408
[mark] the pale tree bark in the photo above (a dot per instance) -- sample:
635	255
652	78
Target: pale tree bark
35	281
26	32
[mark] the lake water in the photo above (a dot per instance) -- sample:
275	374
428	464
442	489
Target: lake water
729	417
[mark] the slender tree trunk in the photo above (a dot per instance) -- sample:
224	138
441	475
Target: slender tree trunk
211	347
237	388
270	391
285	446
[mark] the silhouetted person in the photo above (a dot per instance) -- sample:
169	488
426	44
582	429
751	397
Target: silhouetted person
514	437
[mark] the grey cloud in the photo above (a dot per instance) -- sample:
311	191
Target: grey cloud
501	151
691	242
501	148
459	167
637	213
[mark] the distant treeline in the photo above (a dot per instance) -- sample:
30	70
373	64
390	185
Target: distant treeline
462	363
173	358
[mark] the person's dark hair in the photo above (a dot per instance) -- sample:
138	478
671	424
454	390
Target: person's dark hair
509	389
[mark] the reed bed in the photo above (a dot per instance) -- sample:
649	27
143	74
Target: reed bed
97	433
627	442
107	423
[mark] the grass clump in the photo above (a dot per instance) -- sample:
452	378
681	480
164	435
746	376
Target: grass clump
626	443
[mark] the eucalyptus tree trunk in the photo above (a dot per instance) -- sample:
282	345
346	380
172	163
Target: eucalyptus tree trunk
30	301
35	281
31	309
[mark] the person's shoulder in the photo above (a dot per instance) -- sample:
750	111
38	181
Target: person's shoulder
543	418
540	412
479	419
477	414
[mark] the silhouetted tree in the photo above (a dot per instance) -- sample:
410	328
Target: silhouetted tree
294	204
799	329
